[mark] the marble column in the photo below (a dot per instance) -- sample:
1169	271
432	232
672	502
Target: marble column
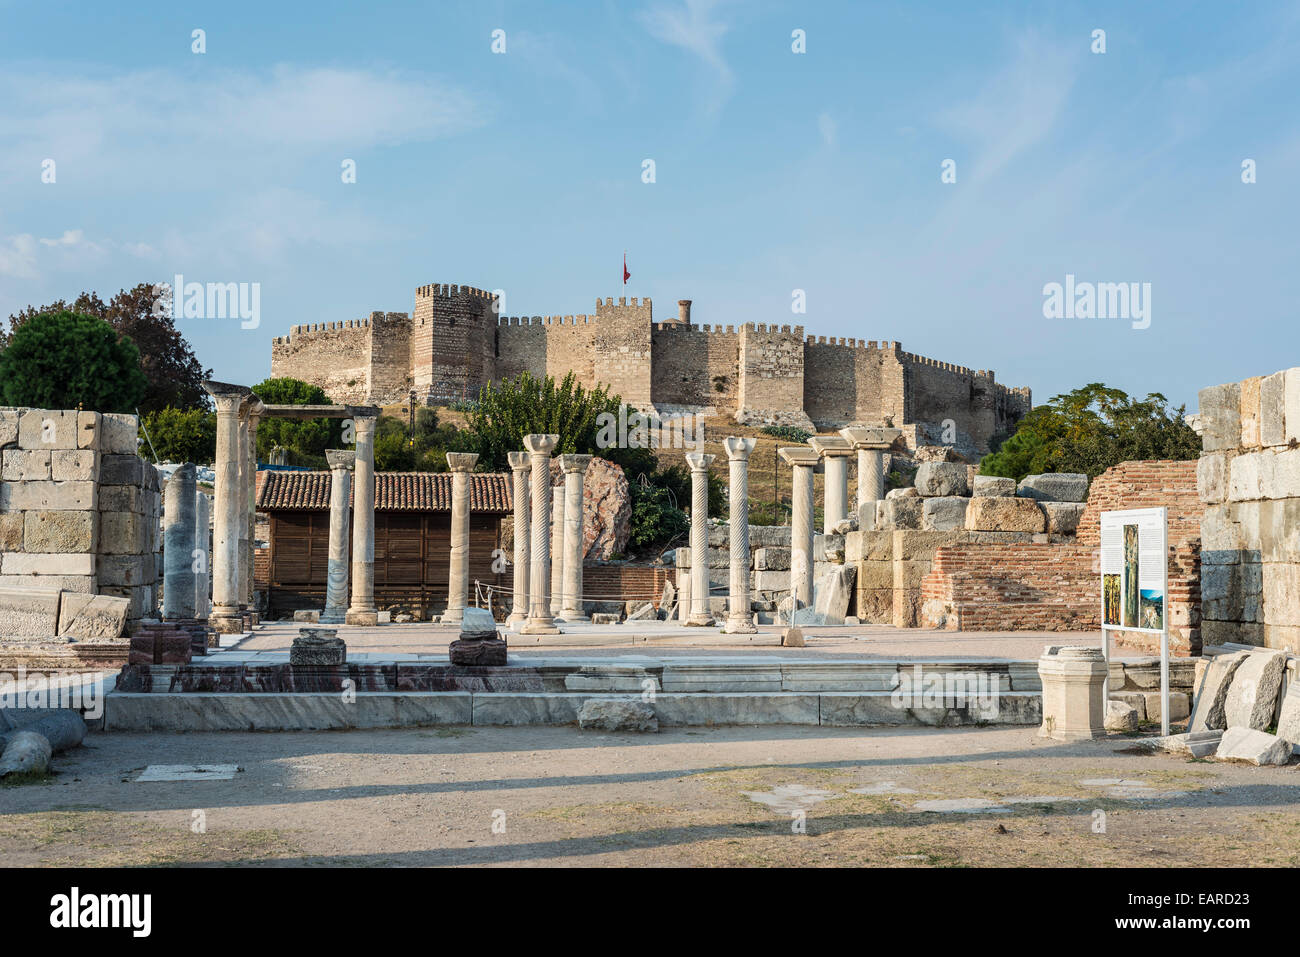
803	461
336	575
227	507
699	463
575	470
461	465
178	545
740	619
362	610
255	411
540	620
523	534
245	573
835	452
202	554
557	549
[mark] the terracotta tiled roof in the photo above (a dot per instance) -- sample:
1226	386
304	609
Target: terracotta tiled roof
394	491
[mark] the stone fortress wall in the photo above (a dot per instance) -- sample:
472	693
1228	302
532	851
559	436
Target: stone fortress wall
454	343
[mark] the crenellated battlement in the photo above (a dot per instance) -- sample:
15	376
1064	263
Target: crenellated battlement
454	342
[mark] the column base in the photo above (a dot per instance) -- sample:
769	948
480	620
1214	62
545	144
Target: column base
333	618
514	620
452	616
699	621
361	617
574	616
542	626
739	626
227	624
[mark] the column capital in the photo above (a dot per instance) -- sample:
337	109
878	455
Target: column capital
574	463
738	447
830	446
871	437
462	461
699	461
363	411
340	459
228	397
256	408
519	461
540	443
799	456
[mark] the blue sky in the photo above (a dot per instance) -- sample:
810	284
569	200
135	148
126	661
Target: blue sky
775	171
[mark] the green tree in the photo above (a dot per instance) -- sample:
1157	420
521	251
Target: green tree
656	521
173	373
507	411
180	435
304	439
63	360
1091	429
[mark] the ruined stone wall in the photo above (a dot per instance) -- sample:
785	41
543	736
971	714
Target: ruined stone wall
332	355
79	509
1249	479
453	342
771	376
845	380
695	366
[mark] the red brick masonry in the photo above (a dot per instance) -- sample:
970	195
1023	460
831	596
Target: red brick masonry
1048	587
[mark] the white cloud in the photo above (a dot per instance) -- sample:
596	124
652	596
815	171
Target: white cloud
693	26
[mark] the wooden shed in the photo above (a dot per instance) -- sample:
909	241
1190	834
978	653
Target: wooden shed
412	537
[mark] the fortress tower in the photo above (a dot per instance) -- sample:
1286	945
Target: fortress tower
454	343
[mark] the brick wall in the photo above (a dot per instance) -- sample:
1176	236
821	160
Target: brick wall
623	582
1056	587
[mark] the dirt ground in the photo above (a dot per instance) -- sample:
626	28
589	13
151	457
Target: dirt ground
689	797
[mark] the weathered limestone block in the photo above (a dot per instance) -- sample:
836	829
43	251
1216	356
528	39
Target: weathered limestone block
1253	746
118	433
936	479
617	714
1179	705
125	569
1281	588
51	496
28	612
88	617
1212	477
1121	716
770	536
994	486
1252	696
1249	389
21	465
1291	414
828	548
1272	411
74	465
1054	487
11	531
1283	479
903	512
944	514
9	426
45	531
1221	540
905	492
122	469
834	592
774	558
1005	514
1220	411
48	429
32	563
122	533
1248	475
1288	723
1063	517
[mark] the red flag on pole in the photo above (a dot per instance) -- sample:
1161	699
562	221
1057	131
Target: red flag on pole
626	275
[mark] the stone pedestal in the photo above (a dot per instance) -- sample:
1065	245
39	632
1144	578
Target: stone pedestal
557	549
362	610
803	461
479	643
540	620
336	575
523	534
461	465
178	545
835	452
699	463
227	506
575	469
1074	706
318	646
740	620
